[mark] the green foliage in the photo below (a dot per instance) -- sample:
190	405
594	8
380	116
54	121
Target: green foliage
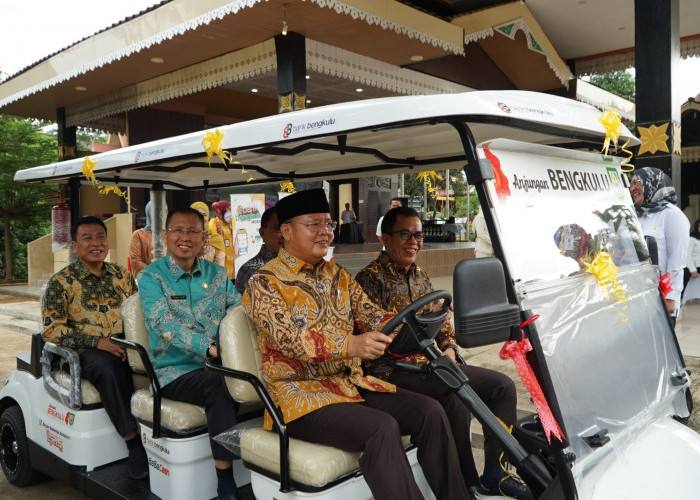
618	82
22	145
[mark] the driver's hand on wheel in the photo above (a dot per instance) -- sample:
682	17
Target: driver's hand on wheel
369	345
450	353
106	345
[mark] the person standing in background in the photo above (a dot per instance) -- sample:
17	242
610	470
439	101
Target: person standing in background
483	239
141	245
655	202
348	215
223	225
395	203
691	283
213	249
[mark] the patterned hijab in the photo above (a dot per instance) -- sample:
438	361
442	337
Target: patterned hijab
658	190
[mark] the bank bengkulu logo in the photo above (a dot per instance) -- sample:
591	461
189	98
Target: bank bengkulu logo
504	107
70	418
287	131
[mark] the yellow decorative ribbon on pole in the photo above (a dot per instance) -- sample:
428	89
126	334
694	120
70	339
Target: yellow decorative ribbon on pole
429	176
613	127
605	271
287	187
89	173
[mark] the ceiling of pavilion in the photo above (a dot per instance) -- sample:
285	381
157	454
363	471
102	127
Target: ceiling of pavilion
482	44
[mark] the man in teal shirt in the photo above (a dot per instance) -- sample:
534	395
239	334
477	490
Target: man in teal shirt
184	299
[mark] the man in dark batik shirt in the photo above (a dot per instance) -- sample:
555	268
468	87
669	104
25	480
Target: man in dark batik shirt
393	281
272	242
81	310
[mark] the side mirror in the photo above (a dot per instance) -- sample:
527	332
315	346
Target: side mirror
483	314
653	249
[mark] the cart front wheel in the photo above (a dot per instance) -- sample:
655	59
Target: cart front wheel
14	449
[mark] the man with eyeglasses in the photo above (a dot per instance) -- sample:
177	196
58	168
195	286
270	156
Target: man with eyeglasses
184	299
81	308
306	309
272	242
393	281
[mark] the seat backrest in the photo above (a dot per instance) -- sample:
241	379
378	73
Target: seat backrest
239	350
134	324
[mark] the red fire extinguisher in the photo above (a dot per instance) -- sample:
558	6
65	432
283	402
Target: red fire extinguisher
60	223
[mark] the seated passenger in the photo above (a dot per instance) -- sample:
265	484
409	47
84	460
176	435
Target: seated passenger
305	309
393	281
272	242
82	310
184	299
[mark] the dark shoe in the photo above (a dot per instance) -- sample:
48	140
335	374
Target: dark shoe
138	463
507	487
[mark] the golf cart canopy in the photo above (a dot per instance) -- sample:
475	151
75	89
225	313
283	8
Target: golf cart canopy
372	137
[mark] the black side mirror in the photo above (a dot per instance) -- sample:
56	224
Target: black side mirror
653	249
483	314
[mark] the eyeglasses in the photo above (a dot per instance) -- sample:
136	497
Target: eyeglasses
181	232
317	227
407	235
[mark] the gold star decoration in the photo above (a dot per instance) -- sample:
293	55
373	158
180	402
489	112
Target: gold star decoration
285	102
653	139
66	152
677	139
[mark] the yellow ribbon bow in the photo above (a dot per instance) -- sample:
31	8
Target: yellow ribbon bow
212	146
613	127
605	271
287	187
88	170
89	173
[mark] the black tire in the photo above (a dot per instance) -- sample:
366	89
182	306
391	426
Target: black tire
14	449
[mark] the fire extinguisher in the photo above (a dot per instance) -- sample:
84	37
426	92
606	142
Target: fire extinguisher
60	223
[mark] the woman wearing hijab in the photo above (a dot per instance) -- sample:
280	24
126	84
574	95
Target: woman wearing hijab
223	225
692	262
140	247
655	202
213	249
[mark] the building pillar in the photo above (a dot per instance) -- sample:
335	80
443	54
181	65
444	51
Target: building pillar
657	58
291	72
67	150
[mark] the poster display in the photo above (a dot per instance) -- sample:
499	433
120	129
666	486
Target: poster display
246	212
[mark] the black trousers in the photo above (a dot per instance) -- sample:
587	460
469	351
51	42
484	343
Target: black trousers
206	389
375	426
112	379
495	389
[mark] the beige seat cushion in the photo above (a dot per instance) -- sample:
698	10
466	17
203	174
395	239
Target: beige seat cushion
134	324
88	392
239	349
309	464
174	415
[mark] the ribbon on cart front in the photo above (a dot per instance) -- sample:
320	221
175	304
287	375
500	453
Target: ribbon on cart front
605	271
613	126
516	350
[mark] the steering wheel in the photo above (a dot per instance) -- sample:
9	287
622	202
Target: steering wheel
418	330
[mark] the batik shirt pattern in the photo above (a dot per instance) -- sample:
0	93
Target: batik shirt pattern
183	312
393	288
79	308
249	268
305	315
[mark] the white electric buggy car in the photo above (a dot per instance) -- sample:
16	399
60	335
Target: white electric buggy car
603	352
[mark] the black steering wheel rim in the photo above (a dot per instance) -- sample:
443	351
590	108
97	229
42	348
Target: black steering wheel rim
413	336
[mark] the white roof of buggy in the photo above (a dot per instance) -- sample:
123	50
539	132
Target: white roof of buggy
370	137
